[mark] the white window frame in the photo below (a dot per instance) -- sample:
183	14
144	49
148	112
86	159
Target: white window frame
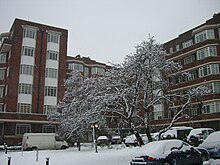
28	51
206	52
22	128
187	43
3	58
26	69
51	73
204	35
25	88
50	91
2	89
29	32
208	70
24	108
52	55
2	74
49	128
53	37
189	59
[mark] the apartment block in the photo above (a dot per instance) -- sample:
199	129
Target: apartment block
85	65
198	51
32	72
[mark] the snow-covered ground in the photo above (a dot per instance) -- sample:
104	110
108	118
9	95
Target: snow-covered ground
117	155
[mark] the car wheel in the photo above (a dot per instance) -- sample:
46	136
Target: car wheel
166	163
34	148
204	157
63	147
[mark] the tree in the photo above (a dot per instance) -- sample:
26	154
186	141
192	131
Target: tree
130	90
187	98
78	109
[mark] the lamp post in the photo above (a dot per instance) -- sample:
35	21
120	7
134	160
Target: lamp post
94	126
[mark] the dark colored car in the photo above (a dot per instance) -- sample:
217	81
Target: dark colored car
212	144
169	152
103	141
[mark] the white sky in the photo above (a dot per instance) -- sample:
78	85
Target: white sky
108	30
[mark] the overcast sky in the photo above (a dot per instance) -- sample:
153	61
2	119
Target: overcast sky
108	30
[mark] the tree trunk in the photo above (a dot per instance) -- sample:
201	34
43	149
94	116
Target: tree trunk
138	137
147	130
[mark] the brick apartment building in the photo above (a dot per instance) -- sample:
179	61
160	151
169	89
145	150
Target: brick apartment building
34	64
87	66
32	72
198	51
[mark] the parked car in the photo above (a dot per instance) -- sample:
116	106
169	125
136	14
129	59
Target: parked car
116	139
176	133
196	136
131	140
155	136
169	152
212	144
102	140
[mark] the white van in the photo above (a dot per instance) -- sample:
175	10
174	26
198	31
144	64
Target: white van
33	141
180	132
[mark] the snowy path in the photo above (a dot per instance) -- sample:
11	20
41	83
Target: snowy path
72	156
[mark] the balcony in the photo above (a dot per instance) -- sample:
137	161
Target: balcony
5	43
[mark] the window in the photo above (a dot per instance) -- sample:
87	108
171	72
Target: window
206	52
29	32
53	37
189	59
193	75
171	50
2	57
51	73
52	55
86	72
211	107
25	88
188	43
28	51
99	71
1	107
22	128
26	69
49	129
49	109
158	115
24	108
214	87
50	91
204	35
75	66
2	74
2	92
208	69
177	47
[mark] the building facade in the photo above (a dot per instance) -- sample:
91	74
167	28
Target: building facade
198	51
86	66
32	73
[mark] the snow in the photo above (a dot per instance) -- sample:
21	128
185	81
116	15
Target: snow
118	155
102	138
211	141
